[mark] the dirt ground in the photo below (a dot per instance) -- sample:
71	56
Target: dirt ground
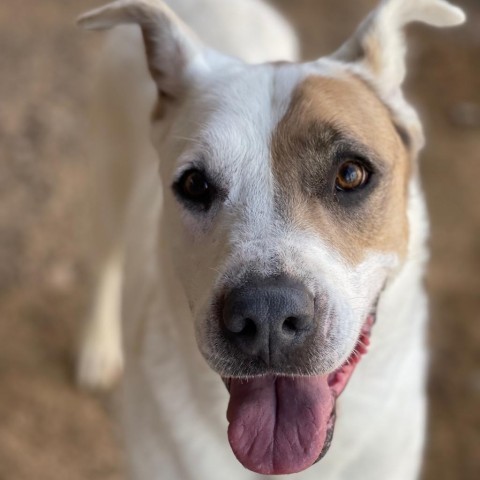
50	430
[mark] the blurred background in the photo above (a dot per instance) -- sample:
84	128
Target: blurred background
48	428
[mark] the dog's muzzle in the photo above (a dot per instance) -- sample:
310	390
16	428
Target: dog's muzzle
281	413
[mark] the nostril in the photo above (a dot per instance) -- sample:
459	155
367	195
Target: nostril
242	327
249	330
290	326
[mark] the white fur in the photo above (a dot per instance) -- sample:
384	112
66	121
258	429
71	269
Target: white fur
101	362
173	402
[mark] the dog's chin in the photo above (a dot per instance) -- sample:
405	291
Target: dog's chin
282	424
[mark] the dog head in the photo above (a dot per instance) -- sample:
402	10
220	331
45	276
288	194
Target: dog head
287	189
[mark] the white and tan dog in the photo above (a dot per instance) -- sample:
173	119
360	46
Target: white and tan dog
260	223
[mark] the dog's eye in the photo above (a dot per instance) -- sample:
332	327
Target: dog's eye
351	176
194	185
194	188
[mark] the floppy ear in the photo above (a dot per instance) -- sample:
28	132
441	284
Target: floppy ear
379	46
174	54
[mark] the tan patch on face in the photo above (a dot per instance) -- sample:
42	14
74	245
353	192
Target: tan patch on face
330	121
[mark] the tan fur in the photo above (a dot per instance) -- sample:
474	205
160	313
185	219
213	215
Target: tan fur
372	51
323	110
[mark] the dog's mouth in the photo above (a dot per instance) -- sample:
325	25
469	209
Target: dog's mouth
283	425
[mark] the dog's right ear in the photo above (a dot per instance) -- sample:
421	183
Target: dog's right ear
379	45
174	54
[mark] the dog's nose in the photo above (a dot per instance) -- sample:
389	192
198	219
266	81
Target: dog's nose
268	318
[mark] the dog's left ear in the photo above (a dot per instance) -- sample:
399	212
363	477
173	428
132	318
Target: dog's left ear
174	54
379	46
377	51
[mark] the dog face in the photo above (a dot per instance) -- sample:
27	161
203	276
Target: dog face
285	212
295	172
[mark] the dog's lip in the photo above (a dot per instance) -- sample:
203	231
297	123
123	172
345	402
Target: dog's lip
339	378
328	440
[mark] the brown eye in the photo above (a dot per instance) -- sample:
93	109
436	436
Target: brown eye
351	175
194	185
194	189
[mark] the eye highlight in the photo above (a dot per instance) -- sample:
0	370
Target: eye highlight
351	175
194	189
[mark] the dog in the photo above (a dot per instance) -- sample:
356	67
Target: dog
260	225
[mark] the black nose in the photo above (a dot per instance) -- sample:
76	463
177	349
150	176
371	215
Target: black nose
268	318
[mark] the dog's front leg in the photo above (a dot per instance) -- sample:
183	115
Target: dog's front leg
100	360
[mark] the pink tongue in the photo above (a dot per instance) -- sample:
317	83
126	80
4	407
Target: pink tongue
278	425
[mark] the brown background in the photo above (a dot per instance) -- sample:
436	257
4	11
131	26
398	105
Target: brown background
50	430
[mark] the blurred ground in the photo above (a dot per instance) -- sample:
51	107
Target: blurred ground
48	429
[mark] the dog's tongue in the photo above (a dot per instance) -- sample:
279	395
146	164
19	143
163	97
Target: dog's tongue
278	425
